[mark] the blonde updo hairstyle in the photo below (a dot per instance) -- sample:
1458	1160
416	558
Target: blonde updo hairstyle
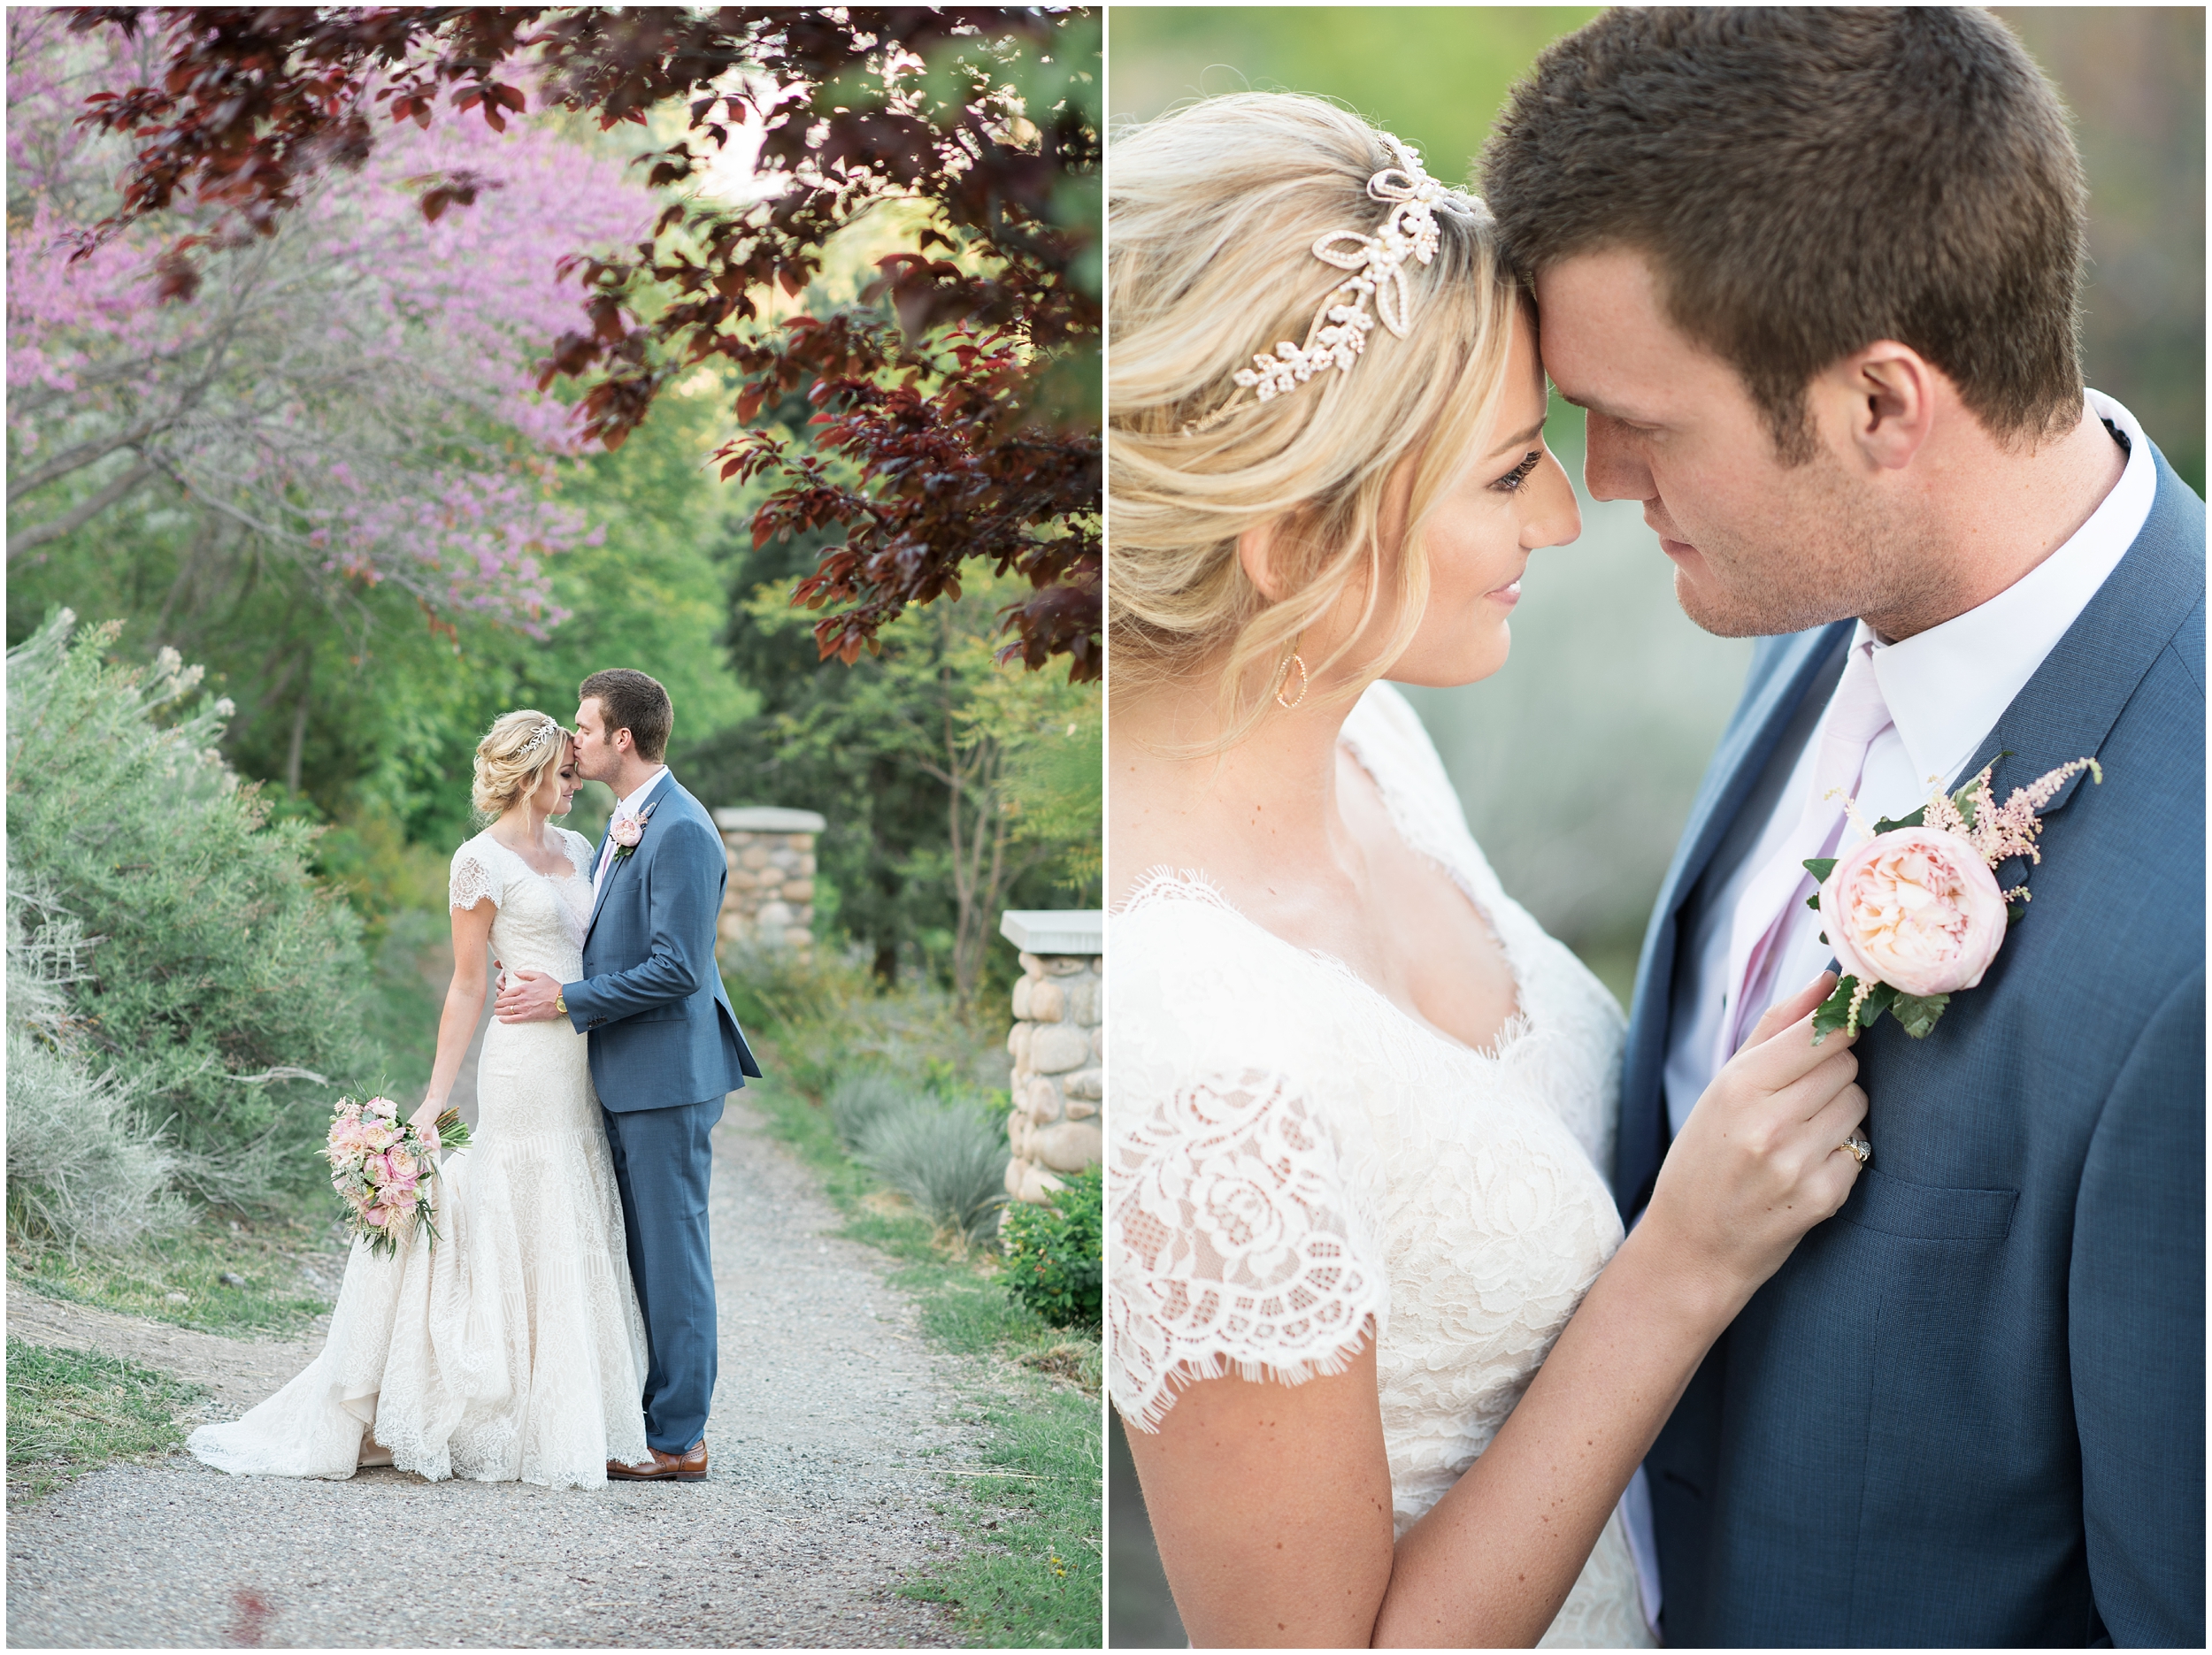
1213	211
513	760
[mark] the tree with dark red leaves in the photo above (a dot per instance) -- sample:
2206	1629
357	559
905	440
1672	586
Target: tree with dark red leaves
956	411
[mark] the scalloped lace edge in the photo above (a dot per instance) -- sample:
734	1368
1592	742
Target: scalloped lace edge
1185	1371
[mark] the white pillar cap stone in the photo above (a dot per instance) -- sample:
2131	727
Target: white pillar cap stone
1053	930
769	819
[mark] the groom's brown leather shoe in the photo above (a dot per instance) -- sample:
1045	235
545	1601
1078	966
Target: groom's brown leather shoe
688	1467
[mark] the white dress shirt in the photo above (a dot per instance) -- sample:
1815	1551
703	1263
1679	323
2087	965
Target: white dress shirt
629	806
1946	689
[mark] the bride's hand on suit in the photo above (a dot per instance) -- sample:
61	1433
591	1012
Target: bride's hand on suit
1272	1503
1762	1157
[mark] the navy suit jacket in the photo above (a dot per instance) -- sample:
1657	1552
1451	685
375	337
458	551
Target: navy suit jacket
661	1027
1969	1408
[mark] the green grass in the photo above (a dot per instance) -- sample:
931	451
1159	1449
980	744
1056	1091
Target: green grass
271	1298
1031	1577
71	1412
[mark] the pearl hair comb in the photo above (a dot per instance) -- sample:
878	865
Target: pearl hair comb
1338	333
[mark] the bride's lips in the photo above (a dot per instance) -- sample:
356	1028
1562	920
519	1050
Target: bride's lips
1509	594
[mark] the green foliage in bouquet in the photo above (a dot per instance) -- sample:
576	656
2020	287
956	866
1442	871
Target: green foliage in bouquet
1053	1253
222	981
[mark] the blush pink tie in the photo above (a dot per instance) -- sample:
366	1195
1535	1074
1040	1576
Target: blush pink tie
1773	902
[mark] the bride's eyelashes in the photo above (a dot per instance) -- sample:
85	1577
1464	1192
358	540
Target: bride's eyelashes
1510	483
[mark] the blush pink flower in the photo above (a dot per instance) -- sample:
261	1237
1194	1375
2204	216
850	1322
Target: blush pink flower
627	831
1915	908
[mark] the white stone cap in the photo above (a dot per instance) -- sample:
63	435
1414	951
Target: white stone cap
1055	930
769	819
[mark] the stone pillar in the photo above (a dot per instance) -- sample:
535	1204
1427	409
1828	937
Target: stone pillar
1059	1042
769	898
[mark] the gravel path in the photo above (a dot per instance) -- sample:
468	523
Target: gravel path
828	1408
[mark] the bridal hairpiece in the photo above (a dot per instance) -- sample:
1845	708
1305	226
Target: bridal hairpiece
545	733
1338	333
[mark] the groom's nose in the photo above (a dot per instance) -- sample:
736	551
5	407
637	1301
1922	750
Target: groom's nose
1612	468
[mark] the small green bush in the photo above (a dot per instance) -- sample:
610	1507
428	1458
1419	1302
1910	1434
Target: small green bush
224	990
1054	1253
83	1167
861	1098
948	1157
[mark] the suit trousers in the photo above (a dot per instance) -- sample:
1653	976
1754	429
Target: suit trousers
662	1159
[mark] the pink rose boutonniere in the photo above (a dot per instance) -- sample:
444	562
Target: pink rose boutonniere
1915	913
625	832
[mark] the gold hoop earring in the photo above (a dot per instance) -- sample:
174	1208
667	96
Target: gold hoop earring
1282	683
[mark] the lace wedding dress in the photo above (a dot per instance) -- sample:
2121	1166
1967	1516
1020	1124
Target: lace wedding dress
514	1348
1292	1158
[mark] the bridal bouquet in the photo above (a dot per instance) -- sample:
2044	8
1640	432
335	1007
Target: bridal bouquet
381	1169
1914	914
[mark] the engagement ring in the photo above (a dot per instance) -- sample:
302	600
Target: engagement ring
1861	1150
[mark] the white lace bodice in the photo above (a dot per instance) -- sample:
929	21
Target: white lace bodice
1293	1159
542	920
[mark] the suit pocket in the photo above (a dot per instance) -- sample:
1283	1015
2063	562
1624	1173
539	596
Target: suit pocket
667	1013
1928	1212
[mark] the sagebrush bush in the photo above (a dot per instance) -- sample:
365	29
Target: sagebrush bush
859	1100
1054	1253
224	990
947	1157
84	1168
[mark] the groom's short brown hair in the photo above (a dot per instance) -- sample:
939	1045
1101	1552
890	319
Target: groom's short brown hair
1808	180
634	702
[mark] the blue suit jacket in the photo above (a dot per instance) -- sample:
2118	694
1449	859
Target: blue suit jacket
661	1027
1970	1409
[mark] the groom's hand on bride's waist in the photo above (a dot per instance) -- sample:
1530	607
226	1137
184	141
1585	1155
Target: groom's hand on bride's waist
529	997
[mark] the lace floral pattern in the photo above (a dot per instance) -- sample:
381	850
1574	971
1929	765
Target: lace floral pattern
1294	1160
514	1349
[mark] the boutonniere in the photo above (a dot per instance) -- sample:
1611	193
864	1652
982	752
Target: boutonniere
1914	914
627	831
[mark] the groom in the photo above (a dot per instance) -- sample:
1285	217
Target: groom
666	1047
1814	274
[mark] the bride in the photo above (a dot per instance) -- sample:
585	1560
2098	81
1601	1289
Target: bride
1388	1363
514	1348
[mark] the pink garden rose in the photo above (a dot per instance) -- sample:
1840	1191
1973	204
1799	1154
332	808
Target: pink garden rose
627	831
1915	908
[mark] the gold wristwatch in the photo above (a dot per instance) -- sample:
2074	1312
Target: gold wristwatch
560	1004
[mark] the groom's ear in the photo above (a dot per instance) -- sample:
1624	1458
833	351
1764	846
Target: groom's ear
1890	393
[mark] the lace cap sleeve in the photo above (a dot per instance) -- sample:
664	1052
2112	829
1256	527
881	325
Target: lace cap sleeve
474	877
1233	1244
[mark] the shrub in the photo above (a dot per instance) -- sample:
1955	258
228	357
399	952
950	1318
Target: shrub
1053	1253
947	1157
225	982
829	1017
863	1098
83	1166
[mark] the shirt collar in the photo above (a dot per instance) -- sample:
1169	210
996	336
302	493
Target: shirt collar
635	802
1947	687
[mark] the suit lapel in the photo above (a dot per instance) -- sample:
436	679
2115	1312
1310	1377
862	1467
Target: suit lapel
1744	749
614	868
2070	705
